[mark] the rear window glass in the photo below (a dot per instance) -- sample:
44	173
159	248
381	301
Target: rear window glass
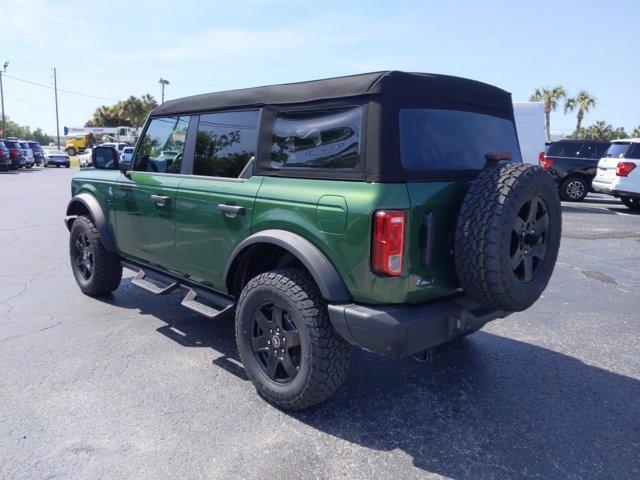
618	150
432	139
319	139
2	145
11	144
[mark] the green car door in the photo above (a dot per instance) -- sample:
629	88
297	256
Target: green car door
145	197
214	205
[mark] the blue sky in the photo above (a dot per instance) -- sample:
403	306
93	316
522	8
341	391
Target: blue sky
119	48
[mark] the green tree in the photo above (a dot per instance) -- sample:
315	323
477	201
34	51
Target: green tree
549	96
636	132
582	102
23	132
131	112
601	130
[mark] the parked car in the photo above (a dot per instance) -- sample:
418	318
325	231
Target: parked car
5	157
16	152
118	146
619	172
125	156
57	158
278	213
28	153
84	159
573	164
38	153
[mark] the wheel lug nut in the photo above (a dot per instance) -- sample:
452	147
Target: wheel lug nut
284	339
283	351
270	331
268	342
277	329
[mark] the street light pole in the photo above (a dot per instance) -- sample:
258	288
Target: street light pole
55	88
163	82
4	121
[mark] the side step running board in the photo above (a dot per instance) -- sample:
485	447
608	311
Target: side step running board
141	281
208	311
204	302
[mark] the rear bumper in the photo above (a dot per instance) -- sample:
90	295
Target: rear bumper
403	330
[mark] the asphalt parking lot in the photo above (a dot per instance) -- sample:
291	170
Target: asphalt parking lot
135	386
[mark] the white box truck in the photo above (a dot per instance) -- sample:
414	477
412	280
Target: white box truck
531	132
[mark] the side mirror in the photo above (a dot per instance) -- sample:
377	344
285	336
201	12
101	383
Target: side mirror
104	158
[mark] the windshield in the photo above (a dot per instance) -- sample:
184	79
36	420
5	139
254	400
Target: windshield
617	150
432	139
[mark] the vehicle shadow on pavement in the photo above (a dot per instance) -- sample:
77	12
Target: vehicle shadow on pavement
485	407
491	407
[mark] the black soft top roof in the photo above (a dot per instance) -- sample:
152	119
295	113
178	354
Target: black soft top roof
420	86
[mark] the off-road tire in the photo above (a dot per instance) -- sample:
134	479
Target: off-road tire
574	188
484	236
632	203
324	354
107	269
71	151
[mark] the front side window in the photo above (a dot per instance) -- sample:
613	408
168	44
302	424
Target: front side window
162	147
320	139
225	143
433	139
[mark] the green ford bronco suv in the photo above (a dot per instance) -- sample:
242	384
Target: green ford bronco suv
387	210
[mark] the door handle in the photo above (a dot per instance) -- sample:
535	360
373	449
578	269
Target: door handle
231	210
160	200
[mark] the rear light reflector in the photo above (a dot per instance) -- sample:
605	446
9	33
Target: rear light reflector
388	242
544	161
624	168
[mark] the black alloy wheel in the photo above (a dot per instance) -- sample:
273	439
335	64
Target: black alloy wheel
275	342
528	239
84	256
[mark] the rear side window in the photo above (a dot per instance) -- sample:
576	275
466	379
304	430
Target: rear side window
572	149
161	149
634	151
225	143
319	139
432	139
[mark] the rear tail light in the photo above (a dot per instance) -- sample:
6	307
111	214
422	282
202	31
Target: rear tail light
544	161
624	168
388	242
13	152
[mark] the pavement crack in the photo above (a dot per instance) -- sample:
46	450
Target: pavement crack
48	327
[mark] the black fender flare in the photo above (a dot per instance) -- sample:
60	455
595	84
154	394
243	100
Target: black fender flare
86	201
329	281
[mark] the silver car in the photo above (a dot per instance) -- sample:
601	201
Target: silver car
57	158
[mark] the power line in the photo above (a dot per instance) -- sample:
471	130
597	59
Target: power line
28	103
62	90
30	59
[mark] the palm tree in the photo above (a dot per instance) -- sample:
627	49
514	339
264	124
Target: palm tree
582	102
549	97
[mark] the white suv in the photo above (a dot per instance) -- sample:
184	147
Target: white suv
619	172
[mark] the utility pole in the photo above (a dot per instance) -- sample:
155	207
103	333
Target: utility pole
163	82
4	122
55	88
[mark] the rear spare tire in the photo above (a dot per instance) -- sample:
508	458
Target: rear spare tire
507	236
